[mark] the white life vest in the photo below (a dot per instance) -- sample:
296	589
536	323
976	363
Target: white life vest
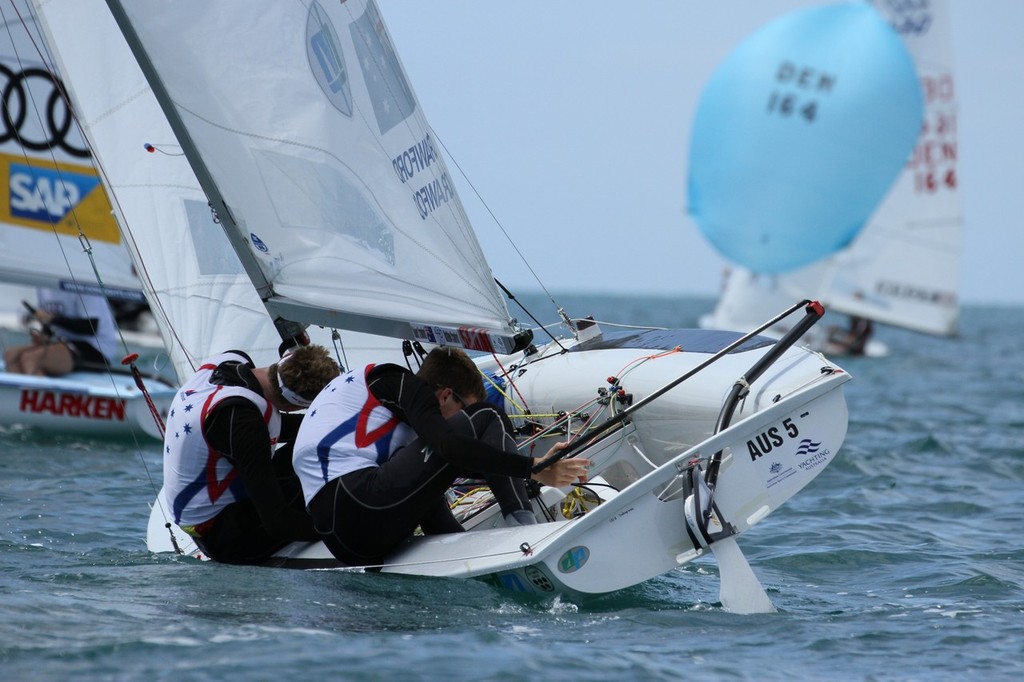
345	429
200	482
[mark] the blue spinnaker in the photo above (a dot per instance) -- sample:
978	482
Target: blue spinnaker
800	133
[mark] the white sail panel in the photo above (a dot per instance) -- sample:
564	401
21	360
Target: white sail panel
333	181
904	269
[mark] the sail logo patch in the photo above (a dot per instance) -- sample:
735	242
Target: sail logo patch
909	18
258	243
326	61
574	559
911	292
26	89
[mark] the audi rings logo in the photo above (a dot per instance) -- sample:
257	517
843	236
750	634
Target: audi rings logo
36	114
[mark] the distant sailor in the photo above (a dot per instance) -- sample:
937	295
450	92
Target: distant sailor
78	333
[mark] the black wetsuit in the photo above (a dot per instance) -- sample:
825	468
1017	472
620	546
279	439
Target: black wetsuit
250	530
367	513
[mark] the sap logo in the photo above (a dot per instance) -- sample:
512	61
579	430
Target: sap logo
46	195
768	440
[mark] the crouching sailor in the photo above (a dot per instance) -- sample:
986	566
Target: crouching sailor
382	445
228	483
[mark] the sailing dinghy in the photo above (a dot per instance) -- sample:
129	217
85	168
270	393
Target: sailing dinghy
902	268
56	231
310	191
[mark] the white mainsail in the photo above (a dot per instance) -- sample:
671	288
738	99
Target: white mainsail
331	186
903	268
54	194
906	264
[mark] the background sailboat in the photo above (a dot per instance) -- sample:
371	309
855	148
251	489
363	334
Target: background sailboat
902	269
325	177
55	205
57	231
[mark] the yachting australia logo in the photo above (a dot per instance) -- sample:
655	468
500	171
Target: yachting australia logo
808	455
811	454
326	60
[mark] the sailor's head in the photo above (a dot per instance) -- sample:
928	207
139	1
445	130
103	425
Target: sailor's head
300	375
455	378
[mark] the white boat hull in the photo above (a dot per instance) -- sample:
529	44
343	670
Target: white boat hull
88	403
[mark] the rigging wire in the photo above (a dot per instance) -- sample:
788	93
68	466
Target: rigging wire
561	312
497	222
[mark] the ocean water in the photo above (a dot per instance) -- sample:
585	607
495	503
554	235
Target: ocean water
901	561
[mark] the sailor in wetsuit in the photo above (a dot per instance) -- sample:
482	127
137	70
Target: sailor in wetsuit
227	483
381	445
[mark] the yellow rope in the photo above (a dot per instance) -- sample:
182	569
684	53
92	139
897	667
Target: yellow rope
579	502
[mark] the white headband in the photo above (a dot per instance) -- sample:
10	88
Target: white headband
289	395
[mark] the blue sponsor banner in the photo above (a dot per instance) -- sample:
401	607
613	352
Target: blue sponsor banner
46	195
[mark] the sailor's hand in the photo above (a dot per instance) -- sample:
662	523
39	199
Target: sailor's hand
563	472
44	316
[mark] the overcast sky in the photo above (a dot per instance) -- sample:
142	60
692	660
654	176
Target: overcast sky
572	121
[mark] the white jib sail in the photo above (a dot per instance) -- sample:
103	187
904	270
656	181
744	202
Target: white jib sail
904	268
